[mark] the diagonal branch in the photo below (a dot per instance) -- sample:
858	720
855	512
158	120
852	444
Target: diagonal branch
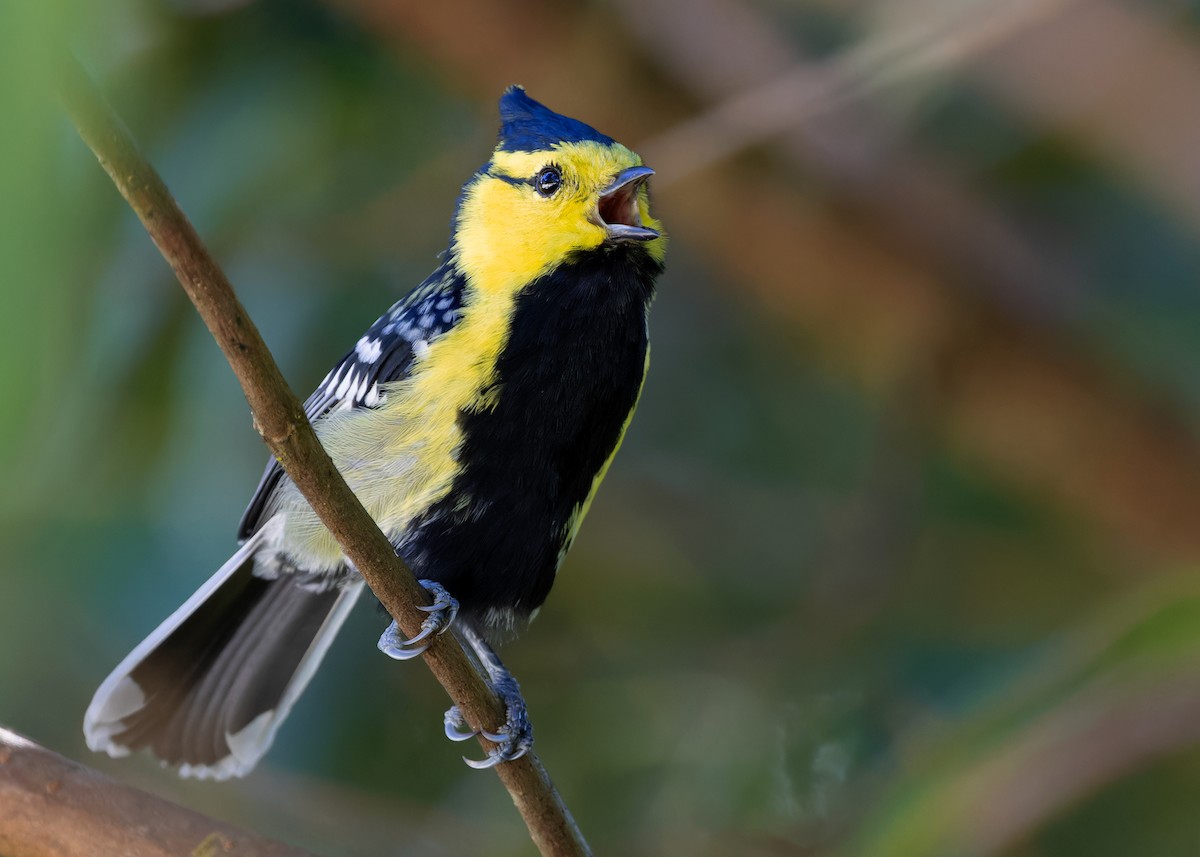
280	420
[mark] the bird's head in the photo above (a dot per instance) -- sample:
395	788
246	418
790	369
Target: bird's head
554	188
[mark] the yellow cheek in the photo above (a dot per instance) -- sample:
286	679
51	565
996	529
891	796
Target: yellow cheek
508	237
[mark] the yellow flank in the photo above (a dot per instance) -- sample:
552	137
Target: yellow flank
401	458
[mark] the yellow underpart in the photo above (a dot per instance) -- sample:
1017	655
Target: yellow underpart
401	458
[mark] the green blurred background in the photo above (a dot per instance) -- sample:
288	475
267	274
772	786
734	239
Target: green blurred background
899	557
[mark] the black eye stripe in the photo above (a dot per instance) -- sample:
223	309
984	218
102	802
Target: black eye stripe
504	177
546	181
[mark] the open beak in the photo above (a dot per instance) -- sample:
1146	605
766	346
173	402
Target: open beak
618	207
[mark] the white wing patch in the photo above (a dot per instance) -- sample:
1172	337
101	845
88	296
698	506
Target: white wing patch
368	349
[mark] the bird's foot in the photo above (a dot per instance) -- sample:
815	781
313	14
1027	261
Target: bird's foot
441	615
513	740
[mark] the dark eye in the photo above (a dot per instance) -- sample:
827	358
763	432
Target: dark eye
547	181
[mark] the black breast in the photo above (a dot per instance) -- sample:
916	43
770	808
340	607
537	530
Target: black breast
565	383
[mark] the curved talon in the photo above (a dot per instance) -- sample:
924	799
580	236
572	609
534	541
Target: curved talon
499	754
443	602
515	738
442	613
393	644
512	740
426	631
454	724
491	761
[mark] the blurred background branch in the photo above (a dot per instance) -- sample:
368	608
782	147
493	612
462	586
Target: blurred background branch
922	39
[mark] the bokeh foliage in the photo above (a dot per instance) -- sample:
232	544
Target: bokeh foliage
898	557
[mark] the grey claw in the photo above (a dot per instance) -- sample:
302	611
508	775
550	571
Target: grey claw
425	632
442	613
509	750
493	758
454	726
443	603
393	644
512	740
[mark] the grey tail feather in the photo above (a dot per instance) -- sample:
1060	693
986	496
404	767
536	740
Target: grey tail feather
207	690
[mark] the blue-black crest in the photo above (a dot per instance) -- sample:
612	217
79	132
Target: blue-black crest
528	126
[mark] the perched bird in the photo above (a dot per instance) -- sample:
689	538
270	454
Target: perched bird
475	421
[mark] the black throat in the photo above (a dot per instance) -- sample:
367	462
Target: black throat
565	384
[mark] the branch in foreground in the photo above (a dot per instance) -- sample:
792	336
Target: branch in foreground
279	418
54	807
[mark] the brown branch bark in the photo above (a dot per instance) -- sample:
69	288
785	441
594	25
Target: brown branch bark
279	418
53	807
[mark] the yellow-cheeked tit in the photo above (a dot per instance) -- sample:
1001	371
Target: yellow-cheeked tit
474	420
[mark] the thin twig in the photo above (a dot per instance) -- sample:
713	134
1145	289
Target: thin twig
280	420
53	807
